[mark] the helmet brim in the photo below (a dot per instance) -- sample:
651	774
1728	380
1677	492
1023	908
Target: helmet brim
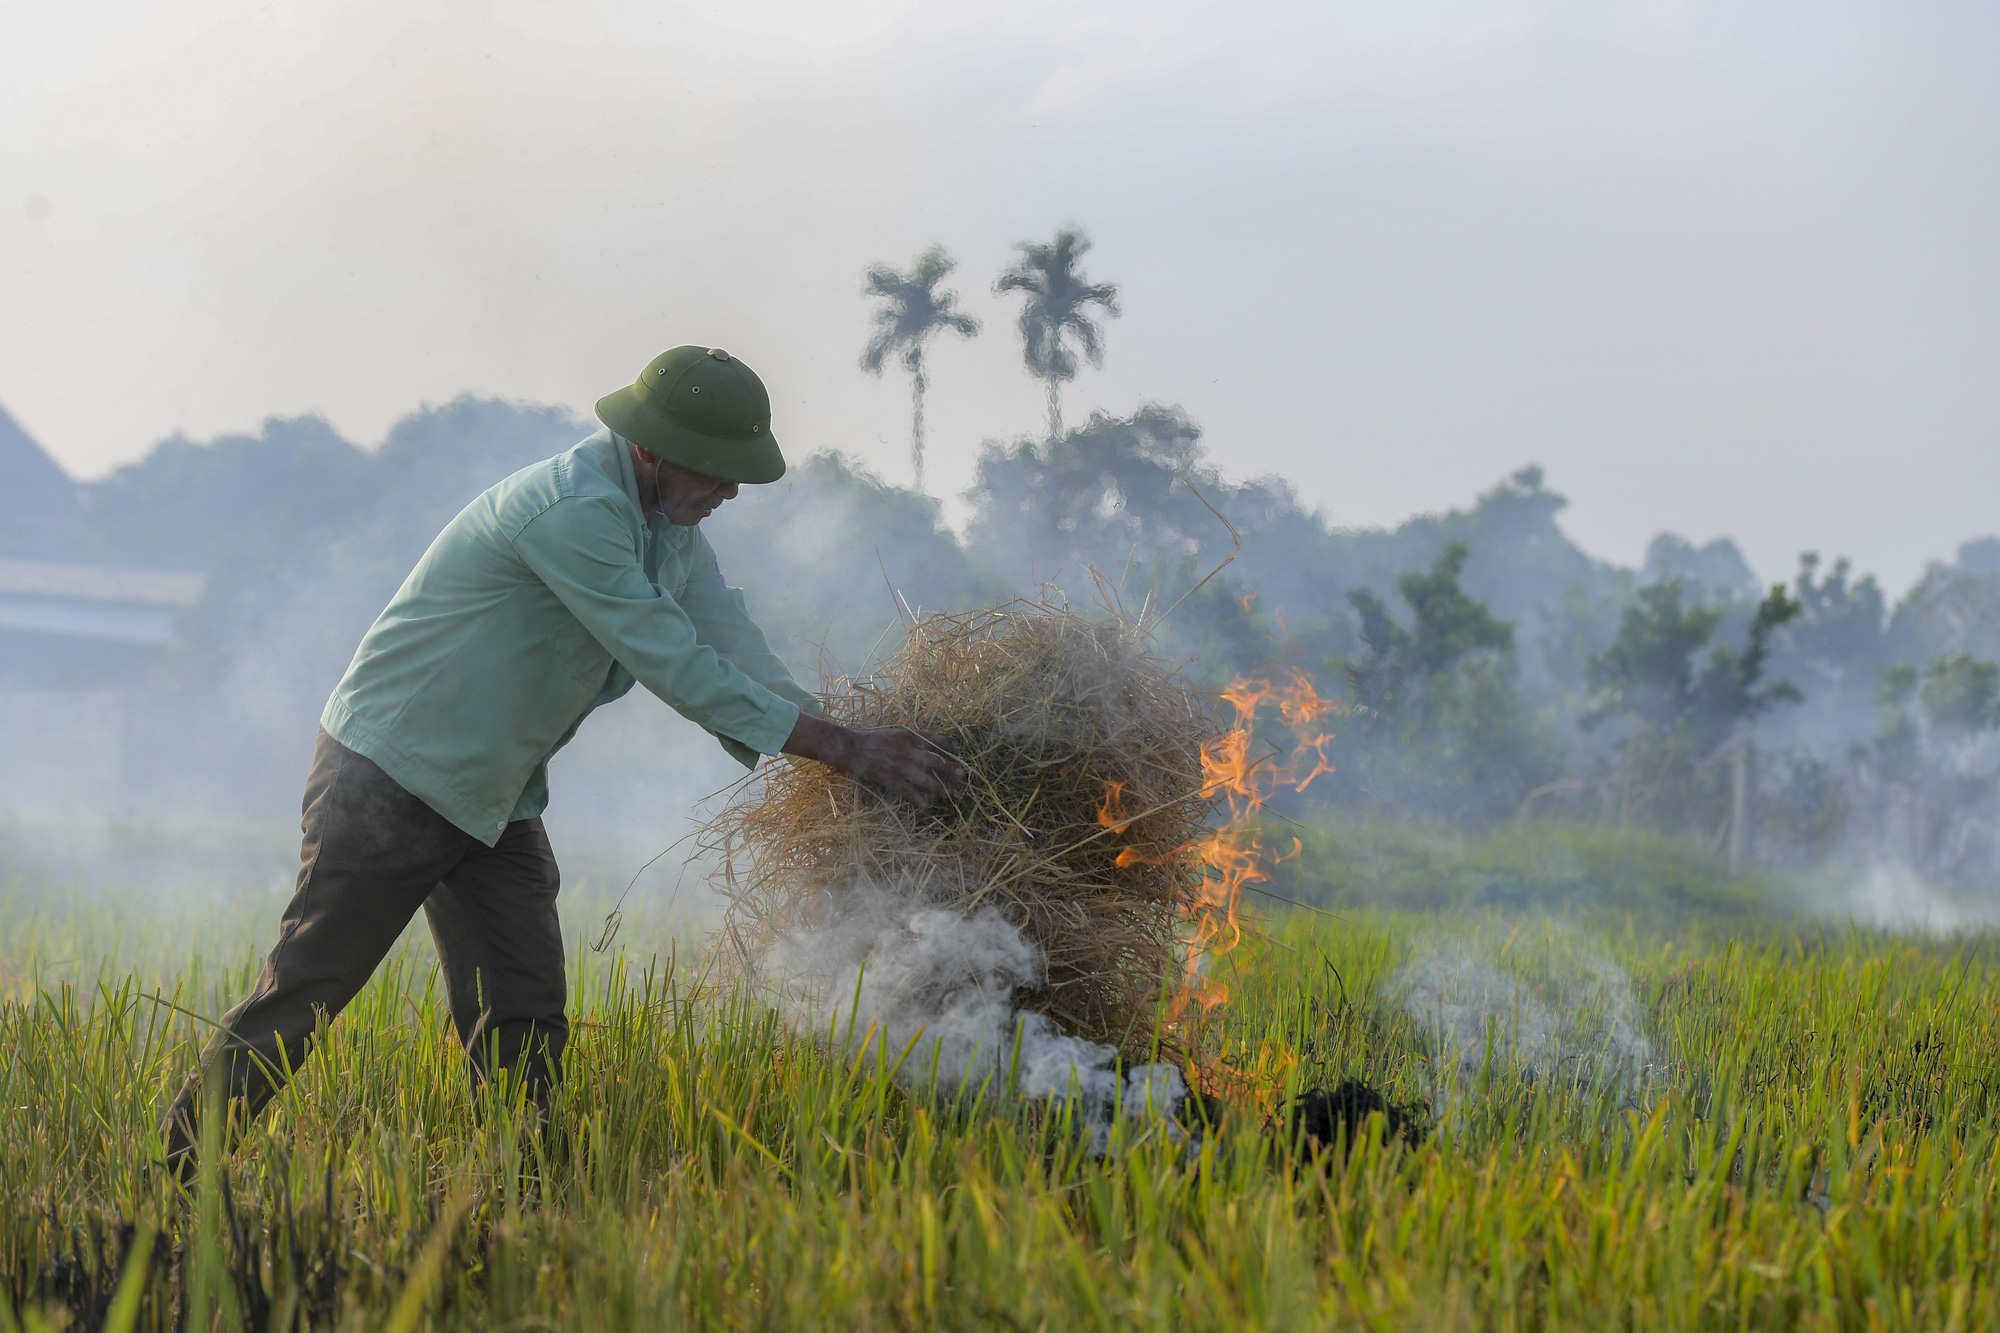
751	462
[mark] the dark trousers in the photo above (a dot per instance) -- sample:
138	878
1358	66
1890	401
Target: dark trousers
373	854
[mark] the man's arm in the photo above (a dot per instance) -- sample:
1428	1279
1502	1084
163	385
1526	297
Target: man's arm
722	621
916	765
582	556
580	548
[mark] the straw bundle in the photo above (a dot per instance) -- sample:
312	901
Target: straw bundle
1081	746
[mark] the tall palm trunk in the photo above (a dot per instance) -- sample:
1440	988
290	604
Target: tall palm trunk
913	361
1055	408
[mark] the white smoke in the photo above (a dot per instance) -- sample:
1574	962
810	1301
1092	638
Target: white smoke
1552	1010
888	968
1895	896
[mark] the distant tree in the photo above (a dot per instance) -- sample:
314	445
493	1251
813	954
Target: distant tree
1679	716
1930	779
1439	726
1055	312
1955	698
1961	694
1897	740
1730	691
1106	493
912	312
1716	570
1648	672
1448	626
1832	650
1953	608
1128	498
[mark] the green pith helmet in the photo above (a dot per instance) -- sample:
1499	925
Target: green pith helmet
702	408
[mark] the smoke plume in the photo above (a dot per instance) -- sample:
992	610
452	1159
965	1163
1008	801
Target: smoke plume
886	967
1552	1010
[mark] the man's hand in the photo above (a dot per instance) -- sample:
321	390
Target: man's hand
916	765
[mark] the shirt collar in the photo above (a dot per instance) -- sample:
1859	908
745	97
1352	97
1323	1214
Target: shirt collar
657	528
627	476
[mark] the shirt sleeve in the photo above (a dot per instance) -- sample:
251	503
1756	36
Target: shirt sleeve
722	621
581	548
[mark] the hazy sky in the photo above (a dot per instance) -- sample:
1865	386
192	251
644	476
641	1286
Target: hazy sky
1720	268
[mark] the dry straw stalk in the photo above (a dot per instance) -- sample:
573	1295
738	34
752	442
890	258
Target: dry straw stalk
1084	799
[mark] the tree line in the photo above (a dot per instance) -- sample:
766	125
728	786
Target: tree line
1489	668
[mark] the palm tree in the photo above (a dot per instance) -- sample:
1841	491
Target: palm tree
912	311
1058	296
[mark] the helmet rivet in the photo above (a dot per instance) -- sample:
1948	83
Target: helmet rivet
663	370
697	388
755	428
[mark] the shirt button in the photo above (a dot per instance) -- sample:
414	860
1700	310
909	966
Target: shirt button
502	826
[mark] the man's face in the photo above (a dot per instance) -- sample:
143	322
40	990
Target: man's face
687	497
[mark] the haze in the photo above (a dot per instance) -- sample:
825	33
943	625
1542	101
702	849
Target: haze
1721	269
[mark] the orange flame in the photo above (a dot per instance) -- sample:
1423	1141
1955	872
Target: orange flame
1315	746
1132	856
1299	703
1108	814
1234	857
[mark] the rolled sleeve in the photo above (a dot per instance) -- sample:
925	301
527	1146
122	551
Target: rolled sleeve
581	548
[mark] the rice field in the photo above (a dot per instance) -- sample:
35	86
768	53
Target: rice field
1630	1112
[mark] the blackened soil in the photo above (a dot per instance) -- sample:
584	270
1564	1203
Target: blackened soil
1200	1111
1324	1115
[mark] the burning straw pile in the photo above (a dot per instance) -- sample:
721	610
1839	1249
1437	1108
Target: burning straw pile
1085	795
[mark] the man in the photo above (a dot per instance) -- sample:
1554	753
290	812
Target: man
547	597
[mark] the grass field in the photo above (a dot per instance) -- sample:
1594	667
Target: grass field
1733	1116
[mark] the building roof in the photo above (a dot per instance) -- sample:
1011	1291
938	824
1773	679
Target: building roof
37	498
26	470
114	605
99	583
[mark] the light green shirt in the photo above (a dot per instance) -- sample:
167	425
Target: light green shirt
547	597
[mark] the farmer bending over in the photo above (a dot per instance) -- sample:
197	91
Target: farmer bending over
547	597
